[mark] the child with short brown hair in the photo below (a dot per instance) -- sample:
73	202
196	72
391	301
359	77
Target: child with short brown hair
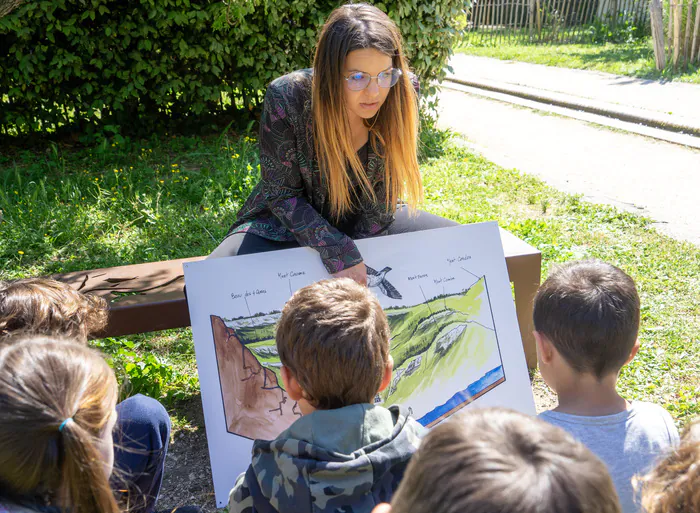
673	486
345	453
497	460
586	318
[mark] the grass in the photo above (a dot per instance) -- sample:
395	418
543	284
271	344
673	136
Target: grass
69	208
629	59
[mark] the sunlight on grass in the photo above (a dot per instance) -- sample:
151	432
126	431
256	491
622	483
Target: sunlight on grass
67	209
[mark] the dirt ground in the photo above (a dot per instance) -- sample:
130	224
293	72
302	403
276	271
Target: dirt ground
188	479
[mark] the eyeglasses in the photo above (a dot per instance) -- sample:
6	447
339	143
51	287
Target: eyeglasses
359	80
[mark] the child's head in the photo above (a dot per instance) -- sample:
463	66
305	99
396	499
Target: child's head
333	341
49	307
588	314
674	485
497	460
57	400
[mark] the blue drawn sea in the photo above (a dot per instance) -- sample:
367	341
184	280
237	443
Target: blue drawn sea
472	390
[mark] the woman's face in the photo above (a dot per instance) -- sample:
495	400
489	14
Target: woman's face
366	103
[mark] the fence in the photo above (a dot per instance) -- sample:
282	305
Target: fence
493	22
679	45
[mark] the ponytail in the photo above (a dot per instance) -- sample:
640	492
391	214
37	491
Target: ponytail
57	398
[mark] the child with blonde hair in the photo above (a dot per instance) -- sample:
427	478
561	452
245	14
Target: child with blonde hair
57	400
673	486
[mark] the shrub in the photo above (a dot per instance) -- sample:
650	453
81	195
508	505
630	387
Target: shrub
145	65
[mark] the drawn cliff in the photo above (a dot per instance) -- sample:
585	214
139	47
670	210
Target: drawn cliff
255	403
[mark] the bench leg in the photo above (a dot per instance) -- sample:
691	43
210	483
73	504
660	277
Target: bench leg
526	280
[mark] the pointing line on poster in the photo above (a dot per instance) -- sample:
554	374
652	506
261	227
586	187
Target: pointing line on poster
475	276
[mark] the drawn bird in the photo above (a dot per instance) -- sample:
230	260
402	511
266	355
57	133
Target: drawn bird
378	279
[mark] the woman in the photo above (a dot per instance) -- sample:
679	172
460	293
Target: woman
57	400
338	149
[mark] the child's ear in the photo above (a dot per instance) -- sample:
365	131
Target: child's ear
388	369
382	508
633	352
291	385
545	351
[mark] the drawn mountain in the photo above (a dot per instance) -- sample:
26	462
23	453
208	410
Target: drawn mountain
436	345
255	404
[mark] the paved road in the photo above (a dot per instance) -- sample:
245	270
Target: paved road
678	101
655	178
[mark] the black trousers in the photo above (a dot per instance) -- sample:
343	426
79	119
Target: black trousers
247	243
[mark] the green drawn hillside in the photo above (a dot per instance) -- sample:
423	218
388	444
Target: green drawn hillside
414	328
429	340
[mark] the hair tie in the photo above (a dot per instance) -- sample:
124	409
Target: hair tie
63	424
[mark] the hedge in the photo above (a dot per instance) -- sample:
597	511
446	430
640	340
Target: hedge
138	66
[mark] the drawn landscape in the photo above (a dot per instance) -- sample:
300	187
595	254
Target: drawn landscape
445	353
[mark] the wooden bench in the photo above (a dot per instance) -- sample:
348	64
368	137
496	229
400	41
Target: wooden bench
149	297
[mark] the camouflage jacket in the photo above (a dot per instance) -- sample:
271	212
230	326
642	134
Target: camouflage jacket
290	202
345	460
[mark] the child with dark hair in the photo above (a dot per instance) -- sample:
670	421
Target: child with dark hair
673	486
586	318
500	461
345	453
51	308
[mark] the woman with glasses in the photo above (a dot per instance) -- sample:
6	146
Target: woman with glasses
338	149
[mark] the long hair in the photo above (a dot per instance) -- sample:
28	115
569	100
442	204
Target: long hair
673	486
393	130
44	381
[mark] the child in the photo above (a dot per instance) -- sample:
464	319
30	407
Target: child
674	485
57	400
497	460
586	318
49	307
52	308
345	453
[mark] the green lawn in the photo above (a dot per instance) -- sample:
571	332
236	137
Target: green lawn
631	59
68	208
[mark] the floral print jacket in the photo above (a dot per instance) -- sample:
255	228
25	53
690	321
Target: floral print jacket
290	202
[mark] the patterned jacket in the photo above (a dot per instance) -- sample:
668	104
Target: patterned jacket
290	202
345	460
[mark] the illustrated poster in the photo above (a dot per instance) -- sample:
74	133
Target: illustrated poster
454	334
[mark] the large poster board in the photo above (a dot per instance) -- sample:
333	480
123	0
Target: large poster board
455	338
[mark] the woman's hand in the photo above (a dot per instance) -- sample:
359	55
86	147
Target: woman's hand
356	272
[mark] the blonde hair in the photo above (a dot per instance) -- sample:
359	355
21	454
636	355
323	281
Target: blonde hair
333	336
673	486
43	382
394	129
49	307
